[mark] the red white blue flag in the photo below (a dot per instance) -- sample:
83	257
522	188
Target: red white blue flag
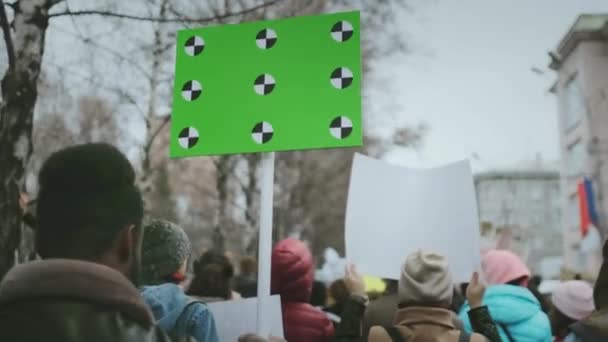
588	211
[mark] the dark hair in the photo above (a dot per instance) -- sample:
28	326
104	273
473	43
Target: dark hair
392	286
87	195
248	266
559	322
319	294
339	292
213	274
517	281
535	281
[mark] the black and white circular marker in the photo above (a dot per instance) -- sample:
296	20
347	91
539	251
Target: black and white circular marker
264	84
262	132
341	78
194	45
266	39
188	137
341	127
191	90
342	31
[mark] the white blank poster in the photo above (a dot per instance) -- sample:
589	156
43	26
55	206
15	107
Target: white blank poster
239	317
393	211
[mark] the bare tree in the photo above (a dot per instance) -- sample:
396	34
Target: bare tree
25	37
19	94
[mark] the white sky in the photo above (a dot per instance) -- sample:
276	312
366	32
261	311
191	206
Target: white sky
475	88
476	91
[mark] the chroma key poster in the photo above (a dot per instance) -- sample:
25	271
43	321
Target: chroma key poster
279	85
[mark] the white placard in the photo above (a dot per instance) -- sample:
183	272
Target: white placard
393	211
239	317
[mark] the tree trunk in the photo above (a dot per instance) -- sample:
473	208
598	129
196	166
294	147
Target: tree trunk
147	171
19	93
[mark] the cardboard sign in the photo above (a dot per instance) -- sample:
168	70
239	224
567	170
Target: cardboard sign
394	211
278	85
238	317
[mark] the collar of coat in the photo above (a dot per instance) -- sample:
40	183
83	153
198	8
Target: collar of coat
416	315
75	280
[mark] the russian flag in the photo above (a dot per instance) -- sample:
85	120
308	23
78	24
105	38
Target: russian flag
587	205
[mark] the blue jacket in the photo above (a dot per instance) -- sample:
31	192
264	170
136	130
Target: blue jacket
516	309
168	301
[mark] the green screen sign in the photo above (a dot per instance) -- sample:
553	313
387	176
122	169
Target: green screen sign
279	85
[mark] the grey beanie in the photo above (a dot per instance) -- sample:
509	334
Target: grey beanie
164	249
425	279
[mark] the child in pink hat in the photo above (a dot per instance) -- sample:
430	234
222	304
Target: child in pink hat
504	267
516	311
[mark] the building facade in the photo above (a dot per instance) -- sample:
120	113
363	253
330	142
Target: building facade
581	90
526	203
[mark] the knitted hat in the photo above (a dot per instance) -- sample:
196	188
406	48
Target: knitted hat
425	279
502	267
164	249
574	299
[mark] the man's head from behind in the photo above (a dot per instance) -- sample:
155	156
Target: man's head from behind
89	208
248	266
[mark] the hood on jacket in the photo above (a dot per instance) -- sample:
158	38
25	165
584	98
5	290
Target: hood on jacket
515	308
292	271
167	302
74	279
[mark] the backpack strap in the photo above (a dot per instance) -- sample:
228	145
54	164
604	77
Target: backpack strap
464	336
394	334
183	323
507	332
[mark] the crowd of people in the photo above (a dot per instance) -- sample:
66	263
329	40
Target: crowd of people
108	274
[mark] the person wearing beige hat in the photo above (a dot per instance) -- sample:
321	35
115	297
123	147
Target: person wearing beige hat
425	295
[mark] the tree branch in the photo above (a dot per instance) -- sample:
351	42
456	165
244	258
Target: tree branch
155	134
165	20
10	50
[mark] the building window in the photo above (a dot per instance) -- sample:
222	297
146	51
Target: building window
575	159
574	105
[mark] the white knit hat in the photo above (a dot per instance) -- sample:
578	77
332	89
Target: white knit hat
574	299
425	279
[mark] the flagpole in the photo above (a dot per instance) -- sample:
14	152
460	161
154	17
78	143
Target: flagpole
265	242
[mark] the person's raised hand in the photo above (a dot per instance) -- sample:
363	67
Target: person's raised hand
475	291
23	201
354	281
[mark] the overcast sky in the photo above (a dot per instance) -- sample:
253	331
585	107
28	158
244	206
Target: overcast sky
476	90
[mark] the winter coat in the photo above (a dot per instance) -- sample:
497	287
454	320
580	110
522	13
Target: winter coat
517	313
73	301
380	312
423	324
292	277
349	328
178	314
594	328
